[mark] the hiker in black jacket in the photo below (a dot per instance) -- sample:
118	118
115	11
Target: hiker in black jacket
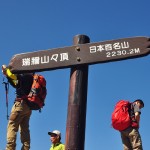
21	112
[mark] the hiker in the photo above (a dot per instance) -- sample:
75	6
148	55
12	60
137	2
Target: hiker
55	137
21	112
131	138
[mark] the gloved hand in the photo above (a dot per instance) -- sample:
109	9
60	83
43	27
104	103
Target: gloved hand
4	67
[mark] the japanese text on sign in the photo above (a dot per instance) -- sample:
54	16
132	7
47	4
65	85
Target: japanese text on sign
45	59
115	49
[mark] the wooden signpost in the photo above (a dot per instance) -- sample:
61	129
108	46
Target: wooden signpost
80	54
78	57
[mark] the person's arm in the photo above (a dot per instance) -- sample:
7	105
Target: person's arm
137	117
12	78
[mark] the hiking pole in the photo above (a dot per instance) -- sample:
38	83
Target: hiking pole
6	90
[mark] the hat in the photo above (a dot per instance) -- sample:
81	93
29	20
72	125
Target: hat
55	132
141	102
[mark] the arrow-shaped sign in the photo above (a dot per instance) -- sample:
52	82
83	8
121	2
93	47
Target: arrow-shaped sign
91	53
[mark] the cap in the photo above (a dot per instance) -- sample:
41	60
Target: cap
141	101
55	132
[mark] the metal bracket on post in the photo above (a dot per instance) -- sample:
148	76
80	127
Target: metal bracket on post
76	118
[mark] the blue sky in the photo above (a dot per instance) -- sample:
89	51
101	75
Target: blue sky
27	26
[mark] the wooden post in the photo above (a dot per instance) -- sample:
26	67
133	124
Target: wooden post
76	118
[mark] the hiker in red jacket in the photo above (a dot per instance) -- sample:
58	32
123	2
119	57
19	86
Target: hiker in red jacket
131	138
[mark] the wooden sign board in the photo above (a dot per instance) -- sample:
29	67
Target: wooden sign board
82	54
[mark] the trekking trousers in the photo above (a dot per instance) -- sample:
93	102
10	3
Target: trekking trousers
131	139
19	119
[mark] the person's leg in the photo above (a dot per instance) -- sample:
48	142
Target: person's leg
24	128
125	139
135	139
12	129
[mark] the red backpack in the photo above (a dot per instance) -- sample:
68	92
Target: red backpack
120	117
38	92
